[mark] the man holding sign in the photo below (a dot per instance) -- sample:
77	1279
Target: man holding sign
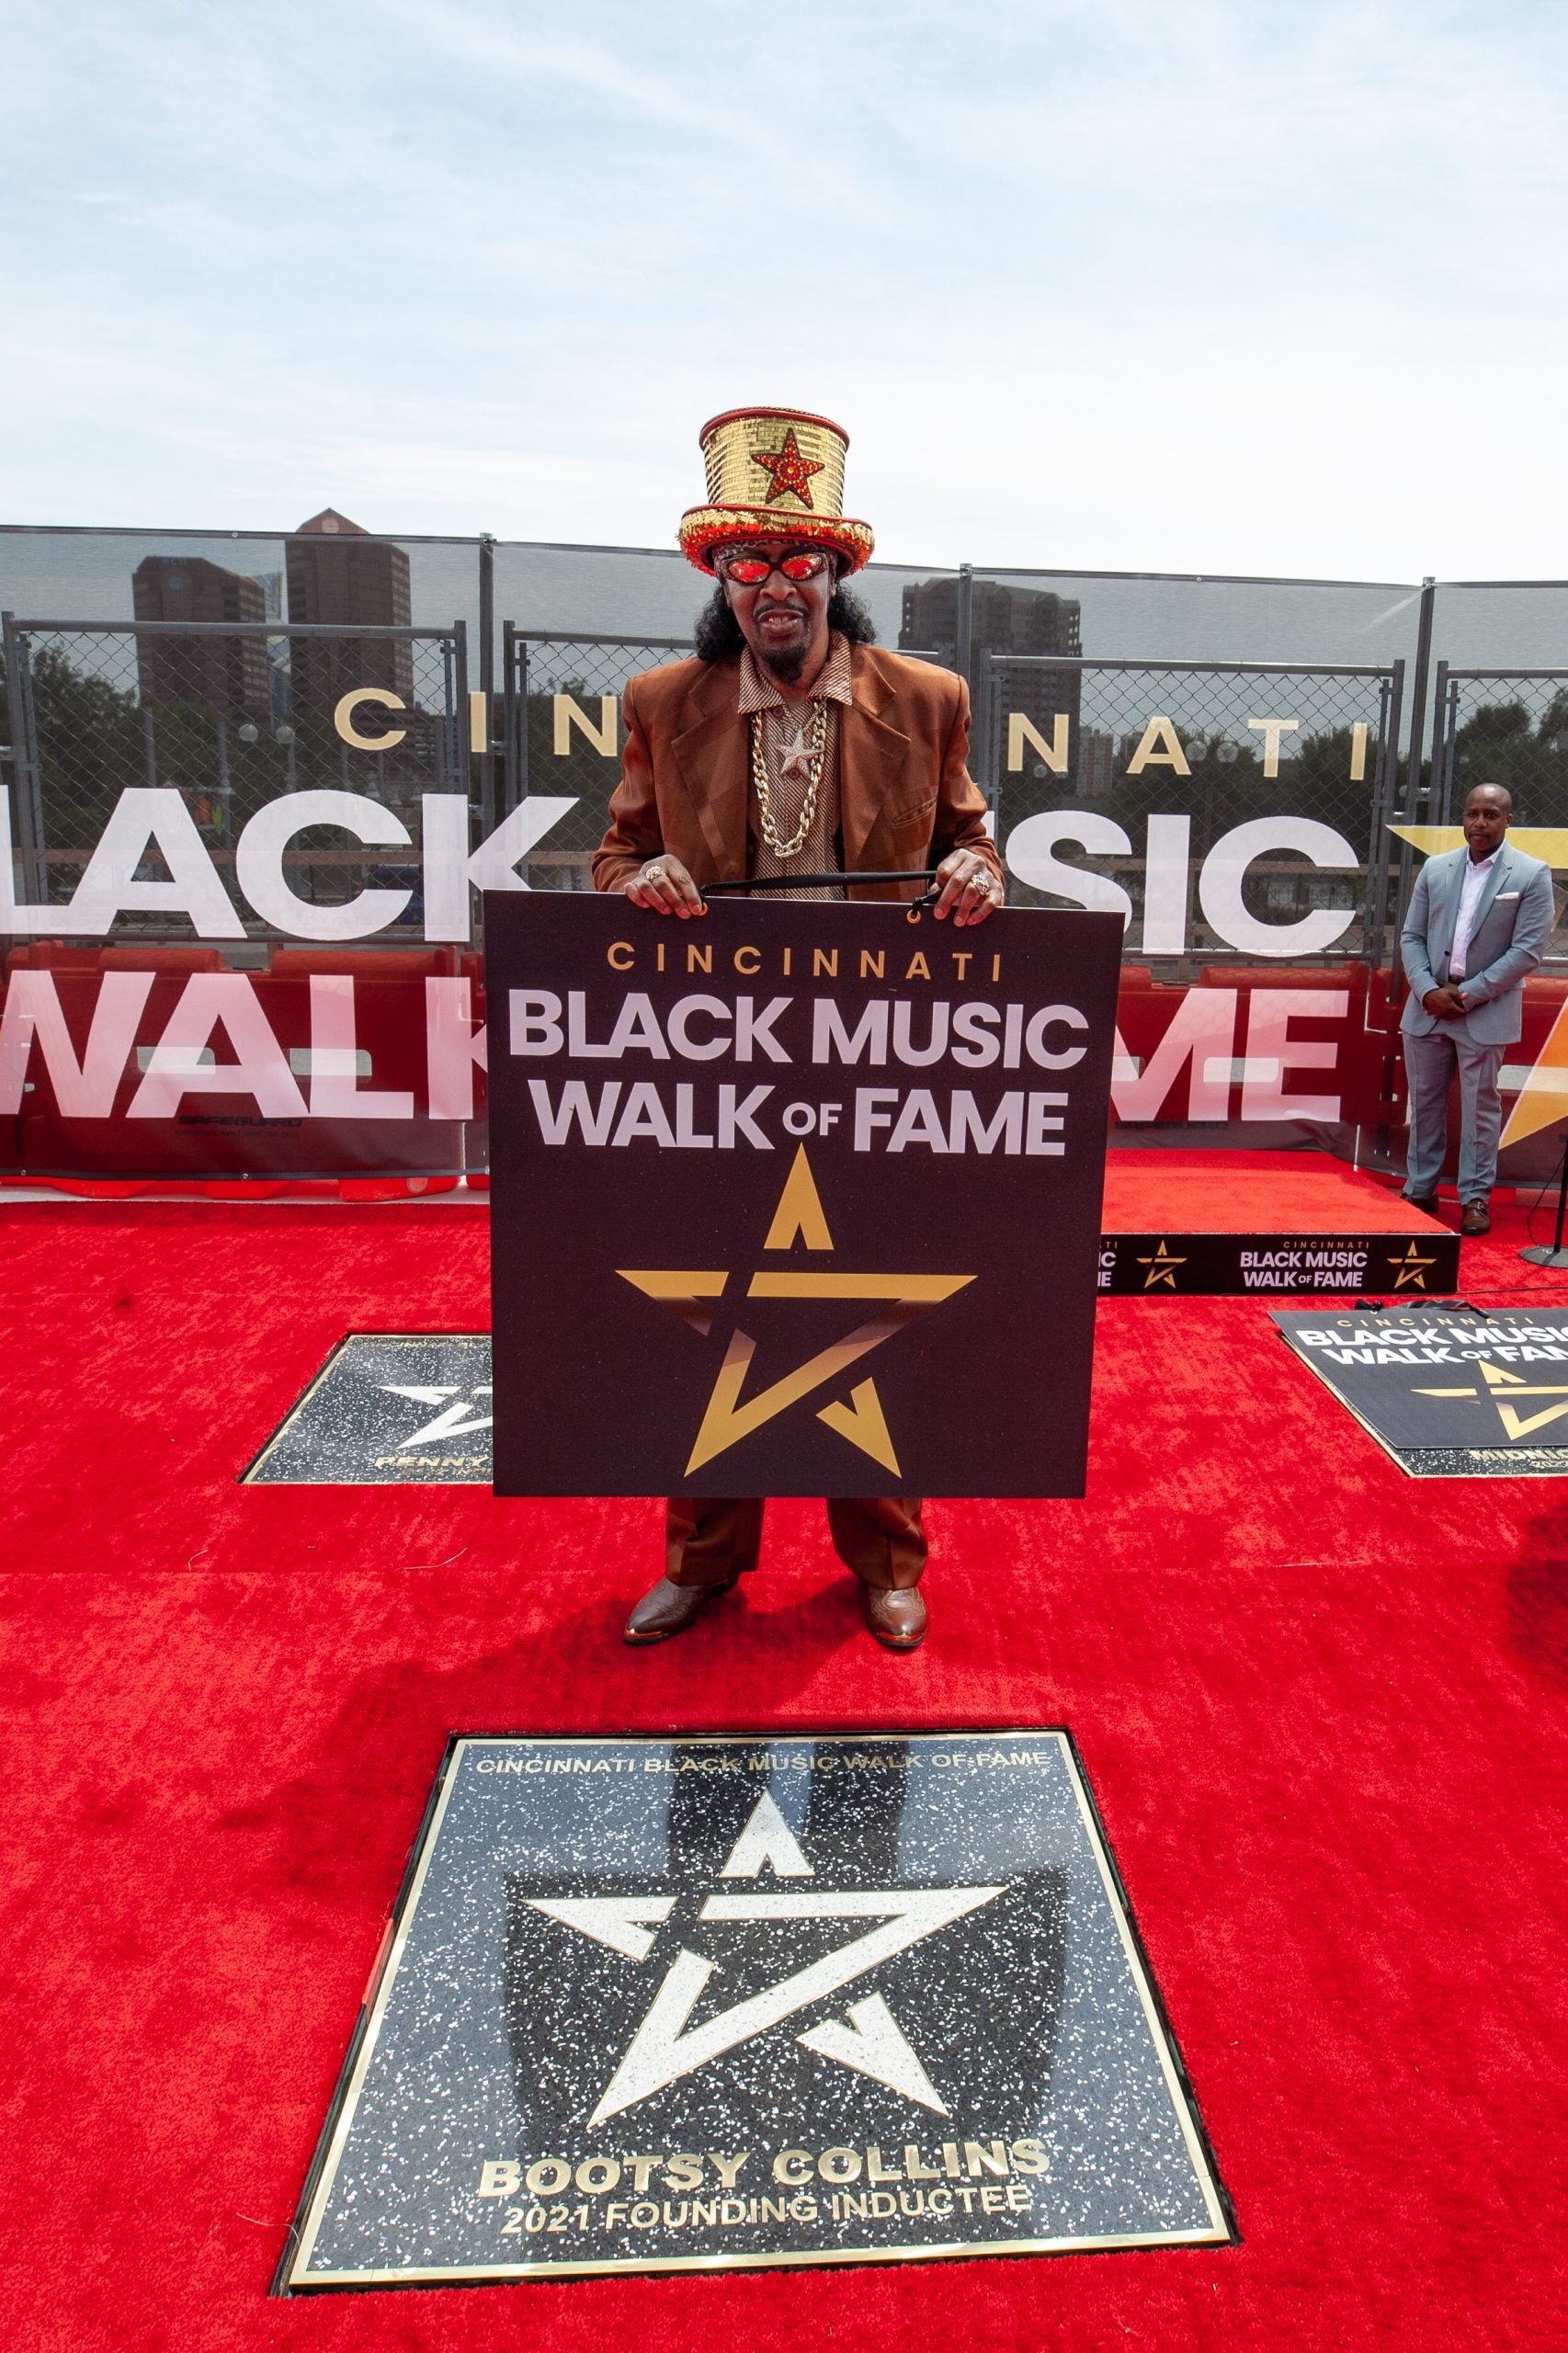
789	744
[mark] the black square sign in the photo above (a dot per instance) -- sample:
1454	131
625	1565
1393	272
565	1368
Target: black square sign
794	1199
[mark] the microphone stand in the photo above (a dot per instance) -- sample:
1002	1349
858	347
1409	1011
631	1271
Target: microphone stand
1537	1255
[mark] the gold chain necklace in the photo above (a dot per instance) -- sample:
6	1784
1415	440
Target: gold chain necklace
815	749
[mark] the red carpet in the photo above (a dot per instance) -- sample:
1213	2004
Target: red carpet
1322	1706
1249	1192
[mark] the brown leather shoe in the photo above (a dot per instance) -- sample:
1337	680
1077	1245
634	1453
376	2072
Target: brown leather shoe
896	1615
668	1608
1477	1218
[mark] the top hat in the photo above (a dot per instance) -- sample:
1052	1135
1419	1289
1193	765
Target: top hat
774	473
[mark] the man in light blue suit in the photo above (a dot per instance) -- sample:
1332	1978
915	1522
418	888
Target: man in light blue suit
1478	919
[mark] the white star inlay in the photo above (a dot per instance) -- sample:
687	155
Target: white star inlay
666	2047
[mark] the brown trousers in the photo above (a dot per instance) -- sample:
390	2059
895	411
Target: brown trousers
709	1541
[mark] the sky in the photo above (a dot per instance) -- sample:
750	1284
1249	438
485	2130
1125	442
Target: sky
1194	286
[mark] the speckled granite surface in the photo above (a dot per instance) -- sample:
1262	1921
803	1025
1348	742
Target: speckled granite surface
724	2002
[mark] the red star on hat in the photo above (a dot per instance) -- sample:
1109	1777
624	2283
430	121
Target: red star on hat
788	468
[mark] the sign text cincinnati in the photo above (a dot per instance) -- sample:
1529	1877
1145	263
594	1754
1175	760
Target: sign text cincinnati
156	824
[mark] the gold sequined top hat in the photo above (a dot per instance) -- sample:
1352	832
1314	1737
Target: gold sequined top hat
774	473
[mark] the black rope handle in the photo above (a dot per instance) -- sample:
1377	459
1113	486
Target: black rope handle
926	874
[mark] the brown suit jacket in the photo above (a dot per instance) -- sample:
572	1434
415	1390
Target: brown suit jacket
905	798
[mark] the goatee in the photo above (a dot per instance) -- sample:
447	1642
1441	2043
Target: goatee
786	668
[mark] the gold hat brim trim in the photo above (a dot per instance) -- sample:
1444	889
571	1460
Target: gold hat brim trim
703	528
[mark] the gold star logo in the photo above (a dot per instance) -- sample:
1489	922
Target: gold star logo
728	1416
1162	1269
1411	1268
1516	1424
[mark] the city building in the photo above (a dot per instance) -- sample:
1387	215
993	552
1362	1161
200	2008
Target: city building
1094	766
337	574
228	675
1007	620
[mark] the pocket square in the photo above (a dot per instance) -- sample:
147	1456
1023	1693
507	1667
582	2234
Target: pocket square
1508	894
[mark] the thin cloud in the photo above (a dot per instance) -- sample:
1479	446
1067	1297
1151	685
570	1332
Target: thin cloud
1199	287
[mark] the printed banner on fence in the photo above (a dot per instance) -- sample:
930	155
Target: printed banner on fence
794	1199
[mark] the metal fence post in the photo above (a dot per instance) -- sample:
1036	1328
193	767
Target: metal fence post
963	624
963	656
1418	690
487	678
1417	726
1385	787
509	792
457	717
24	766
992	701
524	788
1444	708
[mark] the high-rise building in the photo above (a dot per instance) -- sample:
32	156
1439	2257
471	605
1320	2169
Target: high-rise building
1095	768
1006	619
338	574
228	675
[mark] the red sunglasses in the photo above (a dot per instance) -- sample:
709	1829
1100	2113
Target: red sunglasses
751	571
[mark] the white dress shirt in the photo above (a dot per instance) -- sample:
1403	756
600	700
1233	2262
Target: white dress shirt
1476	873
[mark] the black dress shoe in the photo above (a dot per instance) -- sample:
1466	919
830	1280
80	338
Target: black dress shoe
896	1615
668	1608
1426	1202
1477	1218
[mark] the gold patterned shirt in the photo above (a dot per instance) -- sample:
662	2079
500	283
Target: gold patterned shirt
785	725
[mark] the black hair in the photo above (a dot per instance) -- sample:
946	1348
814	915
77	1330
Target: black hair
718	632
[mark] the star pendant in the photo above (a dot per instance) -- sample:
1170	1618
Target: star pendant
795	758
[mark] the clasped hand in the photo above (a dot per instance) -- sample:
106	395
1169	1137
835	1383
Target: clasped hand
1444	1004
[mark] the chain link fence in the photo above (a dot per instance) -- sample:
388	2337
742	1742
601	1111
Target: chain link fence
231	717
563	732
564	735
1146	756
1507	727
1141	769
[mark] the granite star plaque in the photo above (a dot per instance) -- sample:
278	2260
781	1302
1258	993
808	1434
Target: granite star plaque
715	2002
388	1409
1448	1392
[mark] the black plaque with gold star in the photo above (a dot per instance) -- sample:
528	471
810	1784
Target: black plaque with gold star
1163	1266
1449	1391
794	1199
